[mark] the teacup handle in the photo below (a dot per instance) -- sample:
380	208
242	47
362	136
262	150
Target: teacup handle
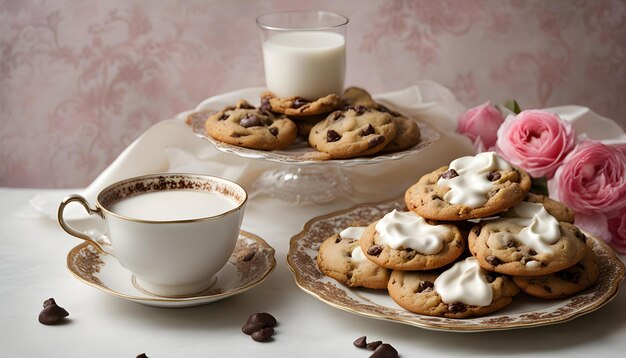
81	235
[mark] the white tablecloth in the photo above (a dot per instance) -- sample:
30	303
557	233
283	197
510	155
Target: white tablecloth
32	268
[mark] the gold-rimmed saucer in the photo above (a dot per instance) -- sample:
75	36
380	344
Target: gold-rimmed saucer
524	312
242	272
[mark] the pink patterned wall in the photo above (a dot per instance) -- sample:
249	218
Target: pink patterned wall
79	80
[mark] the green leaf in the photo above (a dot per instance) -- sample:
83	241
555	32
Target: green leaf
539	186
513	106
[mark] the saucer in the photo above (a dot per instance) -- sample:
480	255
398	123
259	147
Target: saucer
242	272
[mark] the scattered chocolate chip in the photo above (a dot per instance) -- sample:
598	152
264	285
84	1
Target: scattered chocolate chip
424	286
274	131
263	335
367	131
298	102
493	261
263	317
223	117
457	307
249	256
494	175
374	250
532	252
385	351
250	120
52	314
449	174
265	104
373	345
360	342
142	355
376	141
332	136
251	327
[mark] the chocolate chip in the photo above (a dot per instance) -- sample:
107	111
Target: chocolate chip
142	355
298	102
249	256
359	109
385	351
376	141
510	243
332	136
449	174
263	317
457	307
567	275
494	175
547	289
360	342
251	327
223	117
579	234
477	229
250	120
336	116
493	261
263	335
374	250
338	240
274	131
52	314
367	131
532	252
265	104
425	286
490	278
373	345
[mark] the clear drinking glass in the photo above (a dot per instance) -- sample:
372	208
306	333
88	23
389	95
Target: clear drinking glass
304	53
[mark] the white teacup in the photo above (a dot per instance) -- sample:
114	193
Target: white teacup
174	232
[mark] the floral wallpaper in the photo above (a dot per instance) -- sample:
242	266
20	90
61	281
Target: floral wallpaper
79	80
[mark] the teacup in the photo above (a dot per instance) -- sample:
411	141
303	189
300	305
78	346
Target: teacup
174	232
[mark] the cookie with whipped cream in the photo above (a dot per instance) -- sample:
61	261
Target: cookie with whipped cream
246	126
464	290
560	211
564	283
470	187
341	258
406	241
528	241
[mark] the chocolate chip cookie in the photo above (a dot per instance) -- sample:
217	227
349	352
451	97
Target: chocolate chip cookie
469	188
415	291
405	241
297	106
342	259
500	246
563	283
557	209
246	126
353	132
355	96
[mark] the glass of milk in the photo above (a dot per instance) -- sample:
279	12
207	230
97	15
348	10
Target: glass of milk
304	53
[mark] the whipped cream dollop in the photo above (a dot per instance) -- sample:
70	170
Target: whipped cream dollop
409	230
464	282
354	233
540	228
471	185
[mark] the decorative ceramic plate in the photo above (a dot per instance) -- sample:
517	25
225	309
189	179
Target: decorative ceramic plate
104	272
300	153
525	311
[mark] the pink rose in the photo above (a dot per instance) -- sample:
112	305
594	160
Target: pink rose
481	125
617	227
536	141
595	224
592	179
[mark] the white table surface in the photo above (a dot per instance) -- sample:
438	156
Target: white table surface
33	250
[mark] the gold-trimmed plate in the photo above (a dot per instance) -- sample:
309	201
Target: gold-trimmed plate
524	312
104	272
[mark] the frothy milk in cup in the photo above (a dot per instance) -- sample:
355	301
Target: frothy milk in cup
308	64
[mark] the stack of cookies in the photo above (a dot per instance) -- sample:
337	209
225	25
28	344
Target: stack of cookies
472	238
347	126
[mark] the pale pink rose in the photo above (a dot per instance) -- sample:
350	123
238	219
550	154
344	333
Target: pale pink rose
592	179
536	141
617	227
481	125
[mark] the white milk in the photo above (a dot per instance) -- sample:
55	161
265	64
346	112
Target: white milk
174	205
309	64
